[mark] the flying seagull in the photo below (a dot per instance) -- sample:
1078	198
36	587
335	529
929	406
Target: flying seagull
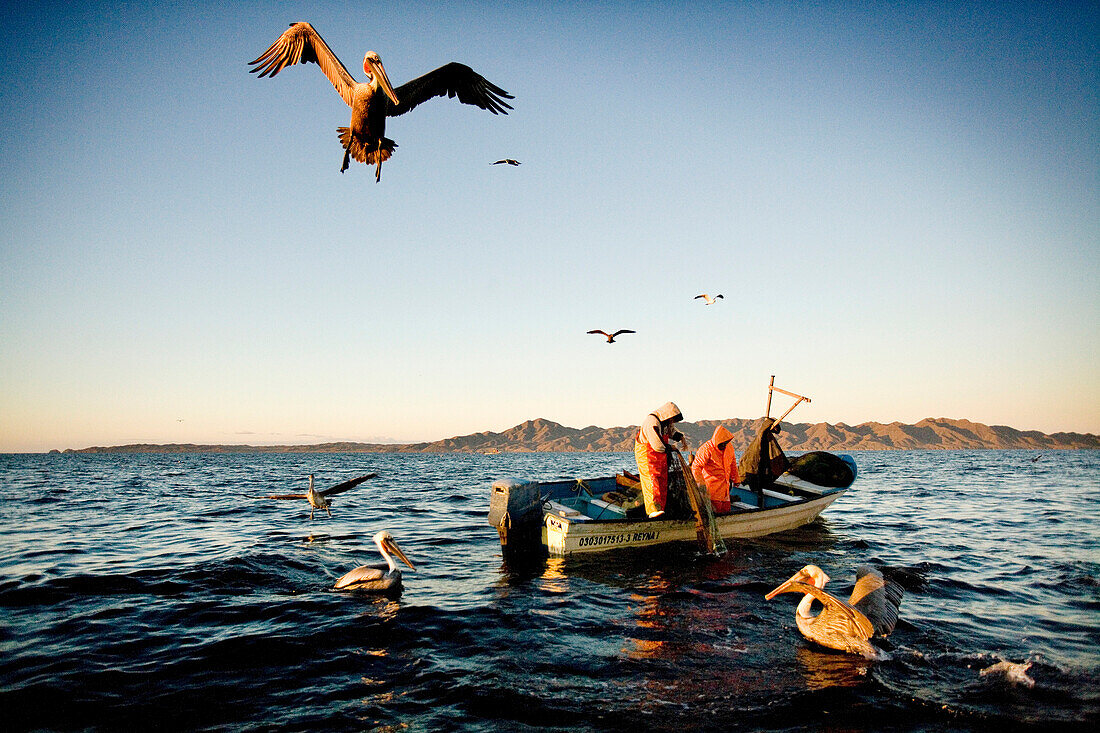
872	609
611	336
319	499
707	299
373	101
385	578
509	161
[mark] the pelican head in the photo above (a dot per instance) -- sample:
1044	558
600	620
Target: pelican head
809	575
387	545
372	66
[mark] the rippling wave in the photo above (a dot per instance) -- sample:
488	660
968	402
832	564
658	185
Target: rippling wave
156	591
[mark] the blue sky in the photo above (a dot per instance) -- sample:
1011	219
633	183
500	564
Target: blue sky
900	202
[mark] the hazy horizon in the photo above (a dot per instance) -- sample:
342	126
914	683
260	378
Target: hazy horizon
307	440
900	203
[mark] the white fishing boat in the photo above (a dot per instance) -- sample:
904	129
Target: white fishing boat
570	516
581	515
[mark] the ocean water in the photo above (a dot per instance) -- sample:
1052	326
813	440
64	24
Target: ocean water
142	592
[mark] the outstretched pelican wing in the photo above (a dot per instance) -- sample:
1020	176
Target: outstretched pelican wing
877	598
454	80
287	496
302	44
340	488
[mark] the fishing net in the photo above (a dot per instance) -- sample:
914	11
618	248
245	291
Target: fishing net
763	461
706	525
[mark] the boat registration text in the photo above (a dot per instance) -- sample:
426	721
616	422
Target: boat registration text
622	538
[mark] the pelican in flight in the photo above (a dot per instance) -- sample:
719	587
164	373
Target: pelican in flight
872	609
377	578
708	299
319	499
373	101
509	161
611	336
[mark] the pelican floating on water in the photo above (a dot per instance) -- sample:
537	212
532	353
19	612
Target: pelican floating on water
611	336
377	578
364	139
872	609
319	499
708	299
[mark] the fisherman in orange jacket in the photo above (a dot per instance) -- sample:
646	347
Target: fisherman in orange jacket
651	446
716	466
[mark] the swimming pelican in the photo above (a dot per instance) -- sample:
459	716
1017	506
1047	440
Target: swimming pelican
319	499
708	299
872	609
364	139
509	161
611	336
377	578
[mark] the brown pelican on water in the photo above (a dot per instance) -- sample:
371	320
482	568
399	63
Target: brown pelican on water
377	578
872	610
373	101
319	499
708	299
611	336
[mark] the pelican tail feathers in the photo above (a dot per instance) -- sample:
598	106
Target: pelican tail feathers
354	148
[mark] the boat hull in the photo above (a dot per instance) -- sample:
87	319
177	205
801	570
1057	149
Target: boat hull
564	536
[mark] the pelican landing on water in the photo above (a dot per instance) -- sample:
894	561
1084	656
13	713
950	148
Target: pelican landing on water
373	101
871	611
377	578
319	499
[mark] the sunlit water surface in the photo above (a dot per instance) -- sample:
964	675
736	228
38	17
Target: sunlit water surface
153	591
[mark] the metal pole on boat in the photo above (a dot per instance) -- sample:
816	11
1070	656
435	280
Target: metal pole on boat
771	386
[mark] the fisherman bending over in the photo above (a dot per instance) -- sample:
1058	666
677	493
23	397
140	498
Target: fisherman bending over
651	450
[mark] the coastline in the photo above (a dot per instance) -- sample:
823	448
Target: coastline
545	436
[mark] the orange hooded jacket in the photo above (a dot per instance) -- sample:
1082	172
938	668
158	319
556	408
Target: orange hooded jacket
717	467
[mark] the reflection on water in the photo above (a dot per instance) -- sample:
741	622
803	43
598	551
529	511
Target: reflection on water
822	669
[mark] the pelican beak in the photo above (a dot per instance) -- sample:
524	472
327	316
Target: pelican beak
791	586
391	545
378	71
787	587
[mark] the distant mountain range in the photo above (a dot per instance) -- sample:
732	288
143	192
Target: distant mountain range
544	435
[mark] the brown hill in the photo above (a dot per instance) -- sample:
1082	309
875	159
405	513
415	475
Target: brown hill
547	436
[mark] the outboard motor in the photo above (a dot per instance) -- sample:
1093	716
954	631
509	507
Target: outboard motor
515	509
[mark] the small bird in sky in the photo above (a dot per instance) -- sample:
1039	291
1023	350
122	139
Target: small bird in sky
509	161
319	499
611	336
376	99
709	300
